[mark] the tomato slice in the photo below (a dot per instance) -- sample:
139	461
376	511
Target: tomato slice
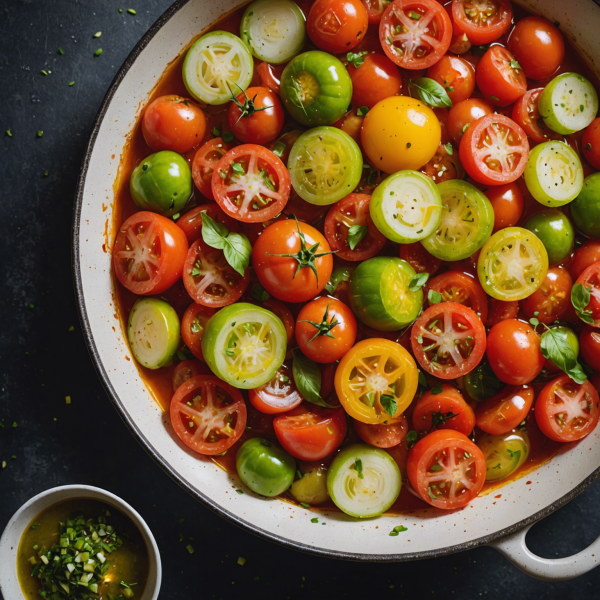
590	279
209	279
448	340
187	369
380	435
446	469
494	150
312	435
353	211
526	114
455	286
499	77
419	259
415	34
375	9
191	222
208	415
445	409
193	325
566	411
506	410
149	253
482	21
204	163
278	395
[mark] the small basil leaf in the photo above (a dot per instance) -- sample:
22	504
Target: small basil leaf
434	297
307	378
418	281
555	347
449	149
259	293
389	404
338	276
580	298
213	233
430	92
356	58
355	234
237	252
237	168
361	111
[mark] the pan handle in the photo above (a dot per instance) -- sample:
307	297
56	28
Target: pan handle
514	547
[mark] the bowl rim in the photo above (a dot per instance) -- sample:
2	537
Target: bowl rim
147	445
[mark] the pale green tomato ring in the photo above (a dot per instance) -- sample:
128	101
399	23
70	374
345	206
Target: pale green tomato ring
466	224
274	30
554	174
217	65
504	454
325	165
406	207
568	104
153	331
369	495
244	345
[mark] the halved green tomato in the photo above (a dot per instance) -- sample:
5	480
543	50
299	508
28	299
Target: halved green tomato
325	165
217	65
244	345
467	222
380	295
363	481
406	207
554	174
504	454
512	264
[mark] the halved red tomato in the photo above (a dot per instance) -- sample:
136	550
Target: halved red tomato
312	435
590	279
484	21
208	415
494	150
187	369
566	411
209	279
446	469
499	77
444	409
552	299
191	221
278	395
204	163
455	286
251	184
525	113
419	259
375	9
193	325
415	34
149	253
380	435
346	221
506	410
448	340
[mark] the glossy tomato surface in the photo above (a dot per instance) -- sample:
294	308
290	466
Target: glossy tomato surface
337	25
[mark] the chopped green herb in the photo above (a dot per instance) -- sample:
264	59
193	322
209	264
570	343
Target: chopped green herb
131	11
40	133
60	50
9	133
98	34
357	466
315	520
190	549
241	561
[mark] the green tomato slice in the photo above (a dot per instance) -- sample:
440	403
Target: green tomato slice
153	331
325	165
380	296
504	454
363	481
554	174
274	30
512	264
217	65
569	103
406	207
467	222
244	345
585	209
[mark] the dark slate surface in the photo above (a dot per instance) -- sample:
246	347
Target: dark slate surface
42	361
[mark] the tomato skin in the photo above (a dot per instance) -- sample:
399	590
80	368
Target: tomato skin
419	259
375	10
590	279
506	410
513	351
324	349
455	75
591	143
265	124
585	256
525	112
312	435
589	339
187	369
376	79
498	81
562	390
447	402
507	202
173	123
192	327
277	274
204	163
270	76
191	222
481	34
337	25
278	395
168	264
422	455
552	299
380	435
463	114
499	310
538	46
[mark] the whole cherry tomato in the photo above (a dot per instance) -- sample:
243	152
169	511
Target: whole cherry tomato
507	202
256	116
585	256
552	299
591	143
337	25
374	77
464	113
455	75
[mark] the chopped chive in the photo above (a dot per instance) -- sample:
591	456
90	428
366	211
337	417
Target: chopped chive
190	549
71	83
98	52
60	50
131	11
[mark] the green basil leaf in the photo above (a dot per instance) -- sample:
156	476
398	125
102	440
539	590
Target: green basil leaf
436	389
430	92
481	383
213	233
355	234
356	58
418	281
259	293
338	276
361	111
307	378
434	297
449	148
555	347
279	149
580	297
237	168
237	252
389	404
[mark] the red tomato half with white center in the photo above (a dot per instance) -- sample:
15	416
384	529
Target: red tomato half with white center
455	286
446	409
494	150
566	411
506	410
312	435
526	114
187	369
380	435
499	77
483	22
251	184
353	211
590	279
278	395
149	253
448	340
191	221
209	279
208	415
446	469
204	163
193	325
415	34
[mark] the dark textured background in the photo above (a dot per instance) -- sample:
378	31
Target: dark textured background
41	361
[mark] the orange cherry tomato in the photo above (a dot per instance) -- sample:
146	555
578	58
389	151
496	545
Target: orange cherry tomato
505	411
585	256
446	409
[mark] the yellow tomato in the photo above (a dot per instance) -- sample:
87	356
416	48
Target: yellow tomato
400	133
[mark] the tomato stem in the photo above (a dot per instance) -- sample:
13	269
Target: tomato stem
324	327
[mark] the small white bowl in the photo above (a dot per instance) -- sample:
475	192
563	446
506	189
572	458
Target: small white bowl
9	543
